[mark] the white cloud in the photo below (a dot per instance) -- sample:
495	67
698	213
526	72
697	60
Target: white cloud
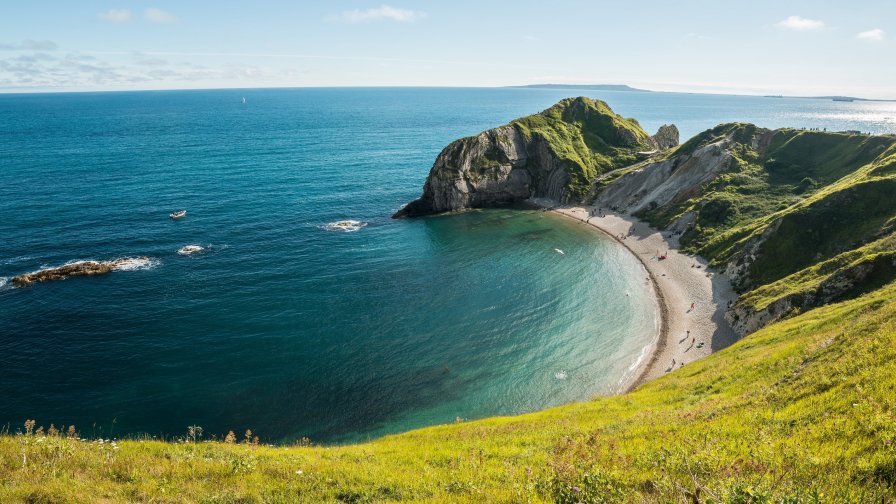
158	16
382	13
875	35
115	16
801	24
31	45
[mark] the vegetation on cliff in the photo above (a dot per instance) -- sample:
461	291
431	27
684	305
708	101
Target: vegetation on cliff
801	410
557	154
588	136
792	209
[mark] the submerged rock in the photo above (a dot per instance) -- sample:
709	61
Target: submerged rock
189	249
80	268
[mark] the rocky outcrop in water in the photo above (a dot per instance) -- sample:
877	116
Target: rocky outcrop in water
81	268
556	154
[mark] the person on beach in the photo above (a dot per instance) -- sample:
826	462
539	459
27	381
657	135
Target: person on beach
693	305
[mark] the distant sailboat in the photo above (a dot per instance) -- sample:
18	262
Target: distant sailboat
244	99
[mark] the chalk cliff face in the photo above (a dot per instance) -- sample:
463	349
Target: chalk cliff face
795	218
663	182
555	154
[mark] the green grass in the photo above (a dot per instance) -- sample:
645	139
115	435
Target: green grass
878	258
801	411
803	196
587	137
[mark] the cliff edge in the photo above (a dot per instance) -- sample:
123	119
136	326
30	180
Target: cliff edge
555	154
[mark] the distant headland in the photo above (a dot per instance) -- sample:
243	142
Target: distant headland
627	88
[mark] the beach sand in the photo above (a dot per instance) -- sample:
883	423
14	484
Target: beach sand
678	282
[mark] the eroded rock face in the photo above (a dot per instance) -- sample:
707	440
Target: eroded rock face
514	162
81	268
496	167
668	181
666	137
842	284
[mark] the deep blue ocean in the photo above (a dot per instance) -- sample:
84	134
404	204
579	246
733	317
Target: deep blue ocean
283	323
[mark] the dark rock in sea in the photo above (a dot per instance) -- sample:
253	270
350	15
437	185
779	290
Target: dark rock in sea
81	268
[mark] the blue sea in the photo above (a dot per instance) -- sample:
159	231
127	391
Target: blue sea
285	323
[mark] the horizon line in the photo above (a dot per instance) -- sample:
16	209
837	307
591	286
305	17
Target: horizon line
554	85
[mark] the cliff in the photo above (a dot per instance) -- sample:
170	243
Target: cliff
796	218
555	154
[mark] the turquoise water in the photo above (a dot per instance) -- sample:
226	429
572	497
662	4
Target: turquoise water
283	324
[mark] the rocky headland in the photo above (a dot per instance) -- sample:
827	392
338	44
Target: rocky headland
555	154
795	218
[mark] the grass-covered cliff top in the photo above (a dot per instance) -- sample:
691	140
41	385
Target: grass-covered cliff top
801	411
794	206
589	136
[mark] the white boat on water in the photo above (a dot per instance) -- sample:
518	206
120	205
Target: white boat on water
178	214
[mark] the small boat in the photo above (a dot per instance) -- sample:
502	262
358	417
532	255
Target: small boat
244	99
178	214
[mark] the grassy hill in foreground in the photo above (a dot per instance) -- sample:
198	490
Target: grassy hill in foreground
801	411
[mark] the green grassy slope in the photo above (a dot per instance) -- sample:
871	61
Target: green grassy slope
801	411
792	200
588	137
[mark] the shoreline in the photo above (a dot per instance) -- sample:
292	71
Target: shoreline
678	280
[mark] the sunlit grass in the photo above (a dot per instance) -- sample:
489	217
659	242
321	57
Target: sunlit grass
801	411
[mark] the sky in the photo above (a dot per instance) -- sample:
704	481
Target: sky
760	47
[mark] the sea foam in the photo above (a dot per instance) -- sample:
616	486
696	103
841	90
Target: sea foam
190	249
135	263
347	226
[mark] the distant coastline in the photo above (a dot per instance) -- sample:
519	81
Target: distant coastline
627	88
591	87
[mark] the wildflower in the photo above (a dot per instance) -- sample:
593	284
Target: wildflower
230	438
299	472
